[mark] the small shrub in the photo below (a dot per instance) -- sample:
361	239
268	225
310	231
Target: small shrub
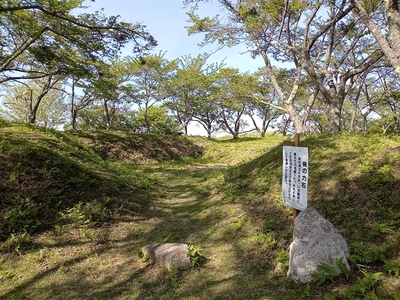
22	215
17	242
381	228
365	287
393	266
366	256
282	256
196	259
328	271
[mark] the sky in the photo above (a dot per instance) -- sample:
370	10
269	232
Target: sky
166	21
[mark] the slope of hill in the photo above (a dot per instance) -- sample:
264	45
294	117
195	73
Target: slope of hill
76	207
141	148
47	175
355	183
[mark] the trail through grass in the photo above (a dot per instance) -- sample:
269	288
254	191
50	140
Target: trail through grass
80	261
190	212
104	263
104	200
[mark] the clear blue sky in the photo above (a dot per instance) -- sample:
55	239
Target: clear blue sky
166	21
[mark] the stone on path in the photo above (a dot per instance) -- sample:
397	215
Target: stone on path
168	255
315	242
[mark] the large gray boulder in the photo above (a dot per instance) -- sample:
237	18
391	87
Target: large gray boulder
315	242
168	255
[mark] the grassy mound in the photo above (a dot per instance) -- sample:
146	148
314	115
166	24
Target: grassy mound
355	183
88	201
51	178
141	148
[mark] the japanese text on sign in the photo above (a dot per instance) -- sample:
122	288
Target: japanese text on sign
295	177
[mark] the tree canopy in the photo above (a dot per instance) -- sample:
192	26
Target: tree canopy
46	37
327	66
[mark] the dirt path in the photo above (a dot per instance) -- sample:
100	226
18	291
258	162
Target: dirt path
105	262
183	211
189	212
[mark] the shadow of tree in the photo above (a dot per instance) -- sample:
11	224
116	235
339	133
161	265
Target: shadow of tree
137	148
236	216
44	184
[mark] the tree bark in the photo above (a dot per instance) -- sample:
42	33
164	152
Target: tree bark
33	109
391	45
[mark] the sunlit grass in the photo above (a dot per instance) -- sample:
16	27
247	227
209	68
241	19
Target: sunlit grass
226	202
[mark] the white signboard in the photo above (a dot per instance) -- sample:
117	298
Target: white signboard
295	177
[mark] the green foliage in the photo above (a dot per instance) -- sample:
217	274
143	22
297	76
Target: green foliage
59	181
282	256
200	24
153	120
365	287
361	201
91	118
22	215
381	228
327	272
329	296
361	254
307	291
76	44
16	242
237	224
144	257
265	241
5	273
20	100
92	213
196	259
393	266
89	205
344	268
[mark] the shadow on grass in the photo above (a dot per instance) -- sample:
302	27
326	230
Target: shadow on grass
356	187
246	225
138	148
358	192
43	184
214	224
236	141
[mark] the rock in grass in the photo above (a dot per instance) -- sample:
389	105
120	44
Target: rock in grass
316	242
168	255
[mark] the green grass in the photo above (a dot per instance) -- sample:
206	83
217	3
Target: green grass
51	179
77	207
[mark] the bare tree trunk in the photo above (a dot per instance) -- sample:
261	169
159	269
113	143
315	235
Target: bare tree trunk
287	102
107	116
389	45
285	128
74	112
74	116
353	118
185	126
34	105
235	130
209	130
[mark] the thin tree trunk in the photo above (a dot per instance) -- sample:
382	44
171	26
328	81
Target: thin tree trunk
107	117
74	116
35	106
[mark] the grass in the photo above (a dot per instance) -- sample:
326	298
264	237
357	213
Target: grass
77	207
